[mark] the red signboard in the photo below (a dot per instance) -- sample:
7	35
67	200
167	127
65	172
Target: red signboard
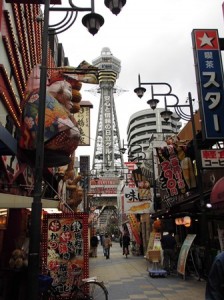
65	249
106	186
206	40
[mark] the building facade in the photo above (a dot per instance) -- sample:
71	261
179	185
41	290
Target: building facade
146	123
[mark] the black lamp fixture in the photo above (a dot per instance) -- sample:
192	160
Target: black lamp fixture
166	115
134	153
115	6
178	108
93	22
153	103
140	91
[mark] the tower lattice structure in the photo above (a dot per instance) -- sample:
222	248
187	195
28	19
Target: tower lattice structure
107	155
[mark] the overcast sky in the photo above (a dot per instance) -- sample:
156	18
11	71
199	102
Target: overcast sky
151	38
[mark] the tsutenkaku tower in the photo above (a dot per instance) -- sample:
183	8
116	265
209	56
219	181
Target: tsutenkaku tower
107	144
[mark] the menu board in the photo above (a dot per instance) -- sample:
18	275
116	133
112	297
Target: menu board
65	249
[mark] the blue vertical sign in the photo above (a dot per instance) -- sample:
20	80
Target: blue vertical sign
209	73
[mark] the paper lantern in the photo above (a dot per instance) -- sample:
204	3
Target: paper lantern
179	221
187	221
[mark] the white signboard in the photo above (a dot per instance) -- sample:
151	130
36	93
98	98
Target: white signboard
132	202
212	158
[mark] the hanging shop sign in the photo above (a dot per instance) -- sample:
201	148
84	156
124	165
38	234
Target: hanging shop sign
209	73
212	158
84	164
133	203
83	120
131	166
135	228
65	249
177	175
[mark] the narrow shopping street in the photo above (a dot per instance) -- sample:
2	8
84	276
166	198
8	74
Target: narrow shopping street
128	279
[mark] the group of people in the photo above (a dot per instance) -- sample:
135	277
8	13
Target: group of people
106	243
215	280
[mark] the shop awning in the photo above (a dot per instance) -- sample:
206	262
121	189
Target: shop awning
16	201
189	205
8	145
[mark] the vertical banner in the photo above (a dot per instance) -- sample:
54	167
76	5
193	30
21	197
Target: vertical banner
83	120
65	249
84	164
135	228
181	264
177	174
209	73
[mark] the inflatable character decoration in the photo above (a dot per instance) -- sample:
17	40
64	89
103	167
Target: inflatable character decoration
61	135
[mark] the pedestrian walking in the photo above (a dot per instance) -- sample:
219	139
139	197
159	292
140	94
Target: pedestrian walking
94	244
126	242
107	243
215	282
168	244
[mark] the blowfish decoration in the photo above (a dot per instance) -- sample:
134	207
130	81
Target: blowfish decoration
61	135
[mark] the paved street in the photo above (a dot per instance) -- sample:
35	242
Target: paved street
128	279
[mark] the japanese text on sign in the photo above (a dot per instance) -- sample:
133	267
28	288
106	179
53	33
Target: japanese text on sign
212	158
210	76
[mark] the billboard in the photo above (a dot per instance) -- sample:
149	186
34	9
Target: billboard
209	73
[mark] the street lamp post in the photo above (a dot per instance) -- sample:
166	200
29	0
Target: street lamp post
166	114
93	22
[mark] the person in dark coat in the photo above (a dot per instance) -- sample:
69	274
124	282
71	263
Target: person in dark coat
94	244
168	244
215	282
126	242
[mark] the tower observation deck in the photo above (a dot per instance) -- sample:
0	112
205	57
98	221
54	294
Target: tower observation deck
107	143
